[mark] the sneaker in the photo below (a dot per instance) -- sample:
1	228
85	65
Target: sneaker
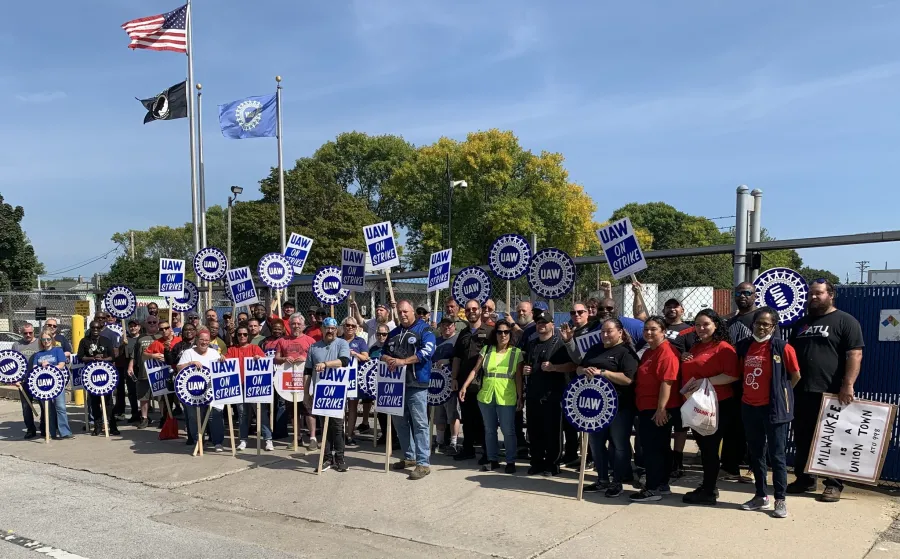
483	460
341	467
242	445
799	486
538	470
831	494
574	464
645	496
664	489
120	417
419	472
596	487
490	466
725	476
464	455
756	503
589	467
510	469
363	428
269	445
326	465
30	435
613	490
144	423
313	445
700	497
676	474
114	432
780	509
219	448
451	450
351	443
403	464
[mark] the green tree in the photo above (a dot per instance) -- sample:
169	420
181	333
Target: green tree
509	190
813	274
140	273
19	266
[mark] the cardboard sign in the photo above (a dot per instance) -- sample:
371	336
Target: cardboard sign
353	379
391	389
330	393
439	270
590	404
120	302
258	388
353	269
13	366
327	286
851	441
171	277
585	342
275	270
158	374
289	380
193	386
186	302
75	367
297	251
380	242
620	244
240	285
471	283
99	378
46	383
226	381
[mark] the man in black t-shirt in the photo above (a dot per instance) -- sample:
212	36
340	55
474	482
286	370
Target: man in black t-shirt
138	371
465	355
97	348
829	345
546	365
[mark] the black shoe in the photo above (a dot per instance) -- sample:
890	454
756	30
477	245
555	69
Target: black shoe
574	464
381	440
341	467
596	487
363	428
30	435
510	469
535	470
95	432
134	420
464	455
351	443
144	423
483	460
700	497
614	490
114	432
190	442
490	466
799	486
552	471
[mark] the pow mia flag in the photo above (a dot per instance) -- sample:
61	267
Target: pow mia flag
168	105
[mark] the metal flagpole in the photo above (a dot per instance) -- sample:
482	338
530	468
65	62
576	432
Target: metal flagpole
202	188
190	107
280	165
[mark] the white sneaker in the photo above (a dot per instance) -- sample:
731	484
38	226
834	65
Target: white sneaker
269	445
219	448
242	445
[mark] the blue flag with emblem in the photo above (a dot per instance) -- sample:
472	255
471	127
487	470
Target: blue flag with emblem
253	117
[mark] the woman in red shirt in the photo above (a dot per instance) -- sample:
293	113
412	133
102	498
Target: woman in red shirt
243	348
657	401
770	370
714	358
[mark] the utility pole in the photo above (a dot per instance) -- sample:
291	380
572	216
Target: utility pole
863	265
132	246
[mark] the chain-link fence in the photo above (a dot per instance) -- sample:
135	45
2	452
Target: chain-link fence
18	308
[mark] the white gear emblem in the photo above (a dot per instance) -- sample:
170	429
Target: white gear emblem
327	285
367	378
439	386
210	264
471	283
188	301
193	386
248	114
509	257
120	301
590	404
13	366
46	383
784	290
92	385
551	273
275	271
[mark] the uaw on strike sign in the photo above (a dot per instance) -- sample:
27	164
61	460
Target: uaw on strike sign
851	441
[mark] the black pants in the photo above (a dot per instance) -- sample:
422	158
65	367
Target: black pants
382	421
657	451
806	414
334	440
521	441
545	432
132	397
709	445
119	407
571	441
97	412
473	424
734	441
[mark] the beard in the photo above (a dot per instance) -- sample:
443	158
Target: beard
522	320
381	319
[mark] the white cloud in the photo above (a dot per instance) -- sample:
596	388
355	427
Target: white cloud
41	97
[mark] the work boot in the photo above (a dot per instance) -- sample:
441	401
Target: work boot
831	494
402	464
419	472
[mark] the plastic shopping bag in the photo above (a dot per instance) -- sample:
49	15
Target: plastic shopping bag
701	411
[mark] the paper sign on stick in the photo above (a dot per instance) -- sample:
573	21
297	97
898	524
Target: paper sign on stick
353	269
380	242
258	388
330	393
226	379
620	244
171	277
391	389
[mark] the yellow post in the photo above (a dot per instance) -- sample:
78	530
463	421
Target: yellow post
77	336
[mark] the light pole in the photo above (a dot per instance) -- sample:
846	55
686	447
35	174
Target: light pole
451	184
234	190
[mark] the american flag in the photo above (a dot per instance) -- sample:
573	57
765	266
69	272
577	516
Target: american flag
162	32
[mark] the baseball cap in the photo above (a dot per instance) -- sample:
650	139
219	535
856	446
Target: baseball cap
447	319
540	306
133	322
543	317
192	315
313	309
321	311
422	311
226	315
329	323
673	302
381	306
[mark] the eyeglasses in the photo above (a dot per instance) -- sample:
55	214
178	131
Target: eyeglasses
486	308
744	293
765	325
46	339
475	309
576	313
50	325
243	335
502	332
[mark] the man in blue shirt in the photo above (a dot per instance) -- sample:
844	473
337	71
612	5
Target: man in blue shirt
329	352
410	346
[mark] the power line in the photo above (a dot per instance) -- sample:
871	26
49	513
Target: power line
78	265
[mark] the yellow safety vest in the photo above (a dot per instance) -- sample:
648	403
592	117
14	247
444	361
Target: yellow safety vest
497	382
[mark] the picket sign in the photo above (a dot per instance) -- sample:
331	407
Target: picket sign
329	400
623	252
389	400
383	253
171	277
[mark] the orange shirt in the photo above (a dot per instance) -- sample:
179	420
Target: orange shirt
249	350
657	365
757	370
158	347
712	359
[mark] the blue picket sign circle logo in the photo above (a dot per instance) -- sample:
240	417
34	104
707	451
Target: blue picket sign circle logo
784	290
367	378
551	273
509	256
120	301
46	383
328	287
188	300
439	386
193	386
210	264
13	366
471	283
275	271
590	404
99	378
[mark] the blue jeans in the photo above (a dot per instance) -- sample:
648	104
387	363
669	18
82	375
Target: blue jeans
506	415
766	440
27	411
618	434
412	426
215	424
244	411
59	419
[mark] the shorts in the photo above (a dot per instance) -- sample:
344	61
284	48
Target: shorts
144	393
449	412
676	420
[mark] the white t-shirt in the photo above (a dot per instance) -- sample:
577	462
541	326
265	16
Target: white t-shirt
191	355
372	327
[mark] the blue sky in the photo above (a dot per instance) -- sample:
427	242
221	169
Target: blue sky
649	101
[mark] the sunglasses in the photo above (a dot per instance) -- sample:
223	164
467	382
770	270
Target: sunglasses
607	309
243	335
165	327
487	308
745	293
503	332
46	339
349	325
472	310
576	313
381	334
50	325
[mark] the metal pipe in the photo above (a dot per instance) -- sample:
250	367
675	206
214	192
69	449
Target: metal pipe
755	227
740	235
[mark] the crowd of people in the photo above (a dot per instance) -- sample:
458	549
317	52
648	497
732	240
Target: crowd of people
509	373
